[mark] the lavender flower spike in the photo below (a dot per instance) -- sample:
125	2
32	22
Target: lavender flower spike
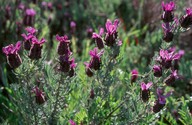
157	70
29	17
35	51
13	58
63	47
171	78
160	102
134	75
95	61
168	9
111	34
186	20
145	93
98	38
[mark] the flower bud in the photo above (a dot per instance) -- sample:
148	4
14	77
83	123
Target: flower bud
134	75
92	95
186	20
171	78
157	70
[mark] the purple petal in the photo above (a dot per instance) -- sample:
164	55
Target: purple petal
72	122
116	22
95	35
149	85
101	31
107	25
143	86
100	53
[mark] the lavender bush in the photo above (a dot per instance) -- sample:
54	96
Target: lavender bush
65	74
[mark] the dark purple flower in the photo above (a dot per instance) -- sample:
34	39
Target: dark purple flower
72	67
7	12
50	6
171	78
65	63
36	47
95	61
13	58
98	38
39	95
160	102
145	93
73	26
44	4
166	58
157	70
168	9
72	122
29	17
27	38
186	20
92	94
176	62
88	70
134	75
89	32
21	6
63	47
168	35
111	34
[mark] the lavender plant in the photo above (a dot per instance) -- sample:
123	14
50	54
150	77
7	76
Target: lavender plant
100	90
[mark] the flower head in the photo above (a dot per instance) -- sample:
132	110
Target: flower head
92	94
36	47
95	58
88	70
72	67
89	32
145	93
111	34
186	20
30	12
171	78
112	27
98	38
168	11
166	58
134	75
168	35
63	47
13	58
157	70
39	95
11	49
168	6
28	38
161	101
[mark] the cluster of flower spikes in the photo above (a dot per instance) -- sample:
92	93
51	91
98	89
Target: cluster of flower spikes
167	60
170	22
109	40
67	65
32	44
